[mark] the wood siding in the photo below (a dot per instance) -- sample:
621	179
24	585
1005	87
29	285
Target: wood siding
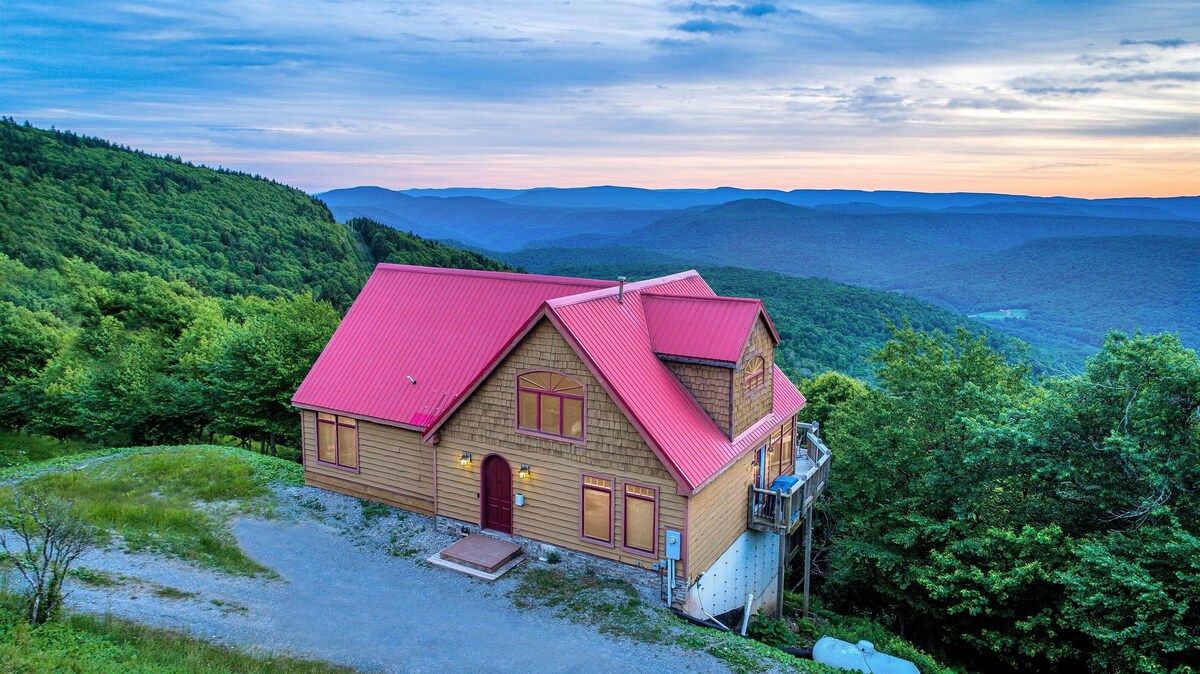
717	515
394	467
710	386
613	448
750	407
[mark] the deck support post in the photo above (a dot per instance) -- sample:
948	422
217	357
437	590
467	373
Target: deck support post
807	554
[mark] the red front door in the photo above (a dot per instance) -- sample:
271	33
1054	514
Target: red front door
497	494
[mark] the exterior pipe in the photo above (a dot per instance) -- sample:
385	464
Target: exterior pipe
696	621
670	583
746	613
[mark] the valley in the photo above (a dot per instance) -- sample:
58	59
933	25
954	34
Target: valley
1077	267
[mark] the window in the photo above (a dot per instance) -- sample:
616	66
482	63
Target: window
641	526
597	509
787	458
776	453
550	403
337	440
756	373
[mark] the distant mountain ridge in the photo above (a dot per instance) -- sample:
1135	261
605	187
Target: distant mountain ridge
637	198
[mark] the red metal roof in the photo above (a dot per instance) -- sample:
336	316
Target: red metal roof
615	341
447	329
438	326
707	328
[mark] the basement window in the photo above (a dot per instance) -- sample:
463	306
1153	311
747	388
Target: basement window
550	404
337	440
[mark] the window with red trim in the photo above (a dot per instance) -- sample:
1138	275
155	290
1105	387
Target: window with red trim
776	453
787	454
597	508
337	440
641	518
756	373
550	403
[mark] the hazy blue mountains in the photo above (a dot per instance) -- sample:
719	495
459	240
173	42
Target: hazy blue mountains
1057	271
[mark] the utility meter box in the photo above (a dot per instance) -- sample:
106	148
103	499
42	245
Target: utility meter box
674	545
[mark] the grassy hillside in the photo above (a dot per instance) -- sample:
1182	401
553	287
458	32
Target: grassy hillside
824	325
145	300
223	233
1074	290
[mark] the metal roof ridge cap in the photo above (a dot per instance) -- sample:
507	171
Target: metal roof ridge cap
634	287
701	298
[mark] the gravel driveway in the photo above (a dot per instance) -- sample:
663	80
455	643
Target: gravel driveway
339	597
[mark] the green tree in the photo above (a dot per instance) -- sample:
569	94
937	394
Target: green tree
257	365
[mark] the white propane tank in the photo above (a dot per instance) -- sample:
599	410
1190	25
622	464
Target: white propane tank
860	657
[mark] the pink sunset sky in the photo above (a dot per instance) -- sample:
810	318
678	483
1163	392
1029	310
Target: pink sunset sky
1090	99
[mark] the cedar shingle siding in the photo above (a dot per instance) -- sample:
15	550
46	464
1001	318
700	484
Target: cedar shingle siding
749	407
710	386
394	467
613	448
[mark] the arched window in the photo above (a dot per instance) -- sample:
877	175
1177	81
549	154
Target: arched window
756	373
550	403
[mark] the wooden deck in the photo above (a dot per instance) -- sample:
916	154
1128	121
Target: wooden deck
784	512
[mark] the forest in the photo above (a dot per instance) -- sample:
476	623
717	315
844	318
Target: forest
1000	514
145	300
1014	523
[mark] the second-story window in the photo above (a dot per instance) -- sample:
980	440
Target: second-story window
756	373
550	403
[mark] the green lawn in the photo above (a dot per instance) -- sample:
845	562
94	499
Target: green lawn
172	500
21	448
93	645
156	498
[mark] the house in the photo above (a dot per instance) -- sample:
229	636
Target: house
641	424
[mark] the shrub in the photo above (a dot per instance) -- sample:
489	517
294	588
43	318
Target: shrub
770	631
42	539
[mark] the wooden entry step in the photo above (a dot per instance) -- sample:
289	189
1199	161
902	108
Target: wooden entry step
482	553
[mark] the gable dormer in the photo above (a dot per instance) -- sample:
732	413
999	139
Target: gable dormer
713	345
754	378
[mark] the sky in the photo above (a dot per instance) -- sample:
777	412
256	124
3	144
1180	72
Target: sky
1078	98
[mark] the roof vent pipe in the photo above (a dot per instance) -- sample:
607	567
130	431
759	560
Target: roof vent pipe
621	289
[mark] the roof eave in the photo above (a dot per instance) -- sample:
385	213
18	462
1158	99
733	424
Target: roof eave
364	417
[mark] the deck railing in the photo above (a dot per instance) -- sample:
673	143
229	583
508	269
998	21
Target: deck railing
783	511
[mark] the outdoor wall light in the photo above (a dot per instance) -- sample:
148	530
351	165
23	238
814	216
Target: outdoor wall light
466	459
524	471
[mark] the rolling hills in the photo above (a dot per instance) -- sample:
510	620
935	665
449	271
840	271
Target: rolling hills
224	233
1074	288
823	324
971	253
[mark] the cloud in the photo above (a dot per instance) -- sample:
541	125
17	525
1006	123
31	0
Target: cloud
477	91
1173	43
1038	86
1001	104
707	26
749	10
1115	62
1150	76
759	9
1060	165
